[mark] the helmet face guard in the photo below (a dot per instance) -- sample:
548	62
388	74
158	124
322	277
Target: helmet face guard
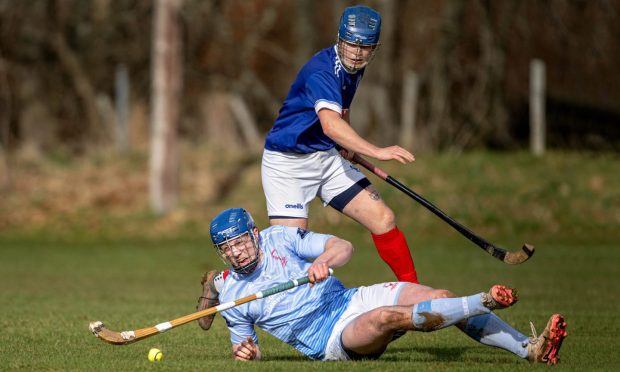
355	57
233	233
358	37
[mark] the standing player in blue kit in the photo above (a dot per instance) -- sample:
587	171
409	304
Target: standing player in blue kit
302	156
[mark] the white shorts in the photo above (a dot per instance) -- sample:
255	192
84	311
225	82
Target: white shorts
291	181
363	301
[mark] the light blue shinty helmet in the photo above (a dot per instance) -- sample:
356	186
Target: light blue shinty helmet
360	25
231	224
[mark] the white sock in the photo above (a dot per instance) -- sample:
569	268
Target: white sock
443	312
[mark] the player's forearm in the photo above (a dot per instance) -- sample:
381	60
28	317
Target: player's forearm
343	134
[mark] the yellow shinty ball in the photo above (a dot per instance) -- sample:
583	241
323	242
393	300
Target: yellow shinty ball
155	355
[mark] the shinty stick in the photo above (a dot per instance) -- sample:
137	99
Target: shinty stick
128	337
512	258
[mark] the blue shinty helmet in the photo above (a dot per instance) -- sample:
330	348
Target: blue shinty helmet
360	25
230	224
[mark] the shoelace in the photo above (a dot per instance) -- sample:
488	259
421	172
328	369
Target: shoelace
533	330
534	339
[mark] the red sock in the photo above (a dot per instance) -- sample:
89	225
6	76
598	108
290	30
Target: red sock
393	249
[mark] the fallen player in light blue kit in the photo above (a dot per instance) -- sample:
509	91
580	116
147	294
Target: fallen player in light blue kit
327	321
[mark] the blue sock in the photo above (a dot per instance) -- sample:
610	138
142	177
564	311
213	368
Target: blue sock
443	312
489	329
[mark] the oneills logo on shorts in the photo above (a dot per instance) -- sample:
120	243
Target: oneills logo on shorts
294	206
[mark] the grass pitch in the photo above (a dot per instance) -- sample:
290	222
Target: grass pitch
51	287
50	292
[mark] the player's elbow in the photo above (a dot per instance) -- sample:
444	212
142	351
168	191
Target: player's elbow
328	129
346	250
338	251
347	247
329	123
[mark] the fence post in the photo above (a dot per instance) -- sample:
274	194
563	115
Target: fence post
4	169
408	109
121	84
537	107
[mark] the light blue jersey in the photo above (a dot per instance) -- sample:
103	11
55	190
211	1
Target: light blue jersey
321	83
303	317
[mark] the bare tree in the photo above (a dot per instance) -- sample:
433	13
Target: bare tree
440	77
466	85
73	67
166	91
471	56
373	101
485	110
5	118
249	80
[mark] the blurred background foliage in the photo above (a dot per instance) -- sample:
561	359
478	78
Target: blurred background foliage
78	239
61	171
58	60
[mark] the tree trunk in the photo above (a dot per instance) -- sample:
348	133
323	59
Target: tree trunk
383	103
166	91
482	117
5	122
81	83
440	113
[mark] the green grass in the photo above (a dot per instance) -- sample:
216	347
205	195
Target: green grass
50	292
52	285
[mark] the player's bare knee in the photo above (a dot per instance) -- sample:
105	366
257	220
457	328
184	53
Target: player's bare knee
386	220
